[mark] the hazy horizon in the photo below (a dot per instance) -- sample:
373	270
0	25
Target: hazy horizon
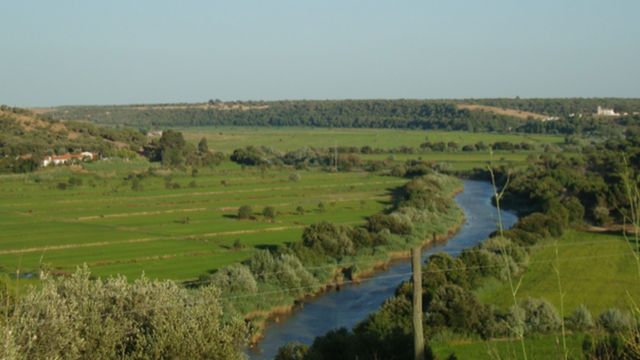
76	53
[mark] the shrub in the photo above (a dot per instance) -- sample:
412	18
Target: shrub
300	210
245	212
613	320
329	238
458	309
395	223
269	212
261	264
294	177
540	316
235	278
76	317
601	215
136	185
75	181
292	351
541	224
580	319
398	171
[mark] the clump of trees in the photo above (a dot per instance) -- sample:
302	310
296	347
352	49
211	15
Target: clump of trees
173	151
82	317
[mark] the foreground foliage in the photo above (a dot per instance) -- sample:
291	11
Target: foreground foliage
80	317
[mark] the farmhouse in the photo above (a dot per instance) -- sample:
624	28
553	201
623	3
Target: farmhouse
601	111
68	158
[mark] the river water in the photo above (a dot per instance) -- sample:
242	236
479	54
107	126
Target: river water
352	304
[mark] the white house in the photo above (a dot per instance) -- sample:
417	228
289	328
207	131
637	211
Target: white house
601	111
68	158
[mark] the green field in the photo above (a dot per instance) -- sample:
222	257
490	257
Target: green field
538	347
597	270
185	232
116	230
227	139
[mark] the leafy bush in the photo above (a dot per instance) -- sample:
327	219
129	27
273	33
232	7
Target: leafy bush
329	238
458	309
395	223
269	212
235	278
76	317
245	212
580	319
294	177
292	351
540	316
613	320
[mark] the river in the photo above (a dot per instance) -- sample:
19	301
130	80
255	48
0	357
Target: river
352	304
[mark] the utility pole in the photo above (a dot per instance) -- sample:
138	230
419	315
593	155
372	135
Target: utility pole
418	336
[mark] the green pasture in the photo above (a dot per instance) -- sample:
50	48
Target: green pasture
541	347
227	139
597	270
168	233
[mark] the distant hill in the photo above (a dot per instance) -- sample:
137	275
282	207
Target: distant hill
505	115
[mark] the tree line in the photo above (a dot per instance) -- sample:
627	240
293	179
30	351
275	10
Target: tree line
390	114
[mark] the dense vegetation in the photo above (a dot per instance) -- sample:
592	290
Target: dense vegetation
80	317
562	106
554	193
411	114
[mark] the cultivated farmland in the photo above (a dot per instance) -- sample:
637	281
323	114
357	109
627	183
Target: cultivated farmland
177	233
178	225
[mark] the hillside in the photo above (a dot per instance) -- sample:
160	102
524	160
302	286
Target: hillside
425	114
26	136
479	115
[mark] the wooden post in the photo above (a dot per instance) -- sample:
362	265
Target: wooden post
418	336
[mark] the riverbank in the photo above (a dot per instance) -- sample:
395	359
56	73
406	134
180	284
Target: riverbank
261	318
353	304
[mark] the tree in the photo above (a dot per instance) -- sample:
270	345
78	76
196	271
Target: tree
172	146
203	146
245	212
269	212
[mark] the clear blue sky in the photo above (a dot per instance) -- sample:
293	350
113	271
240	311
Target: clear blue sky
134	51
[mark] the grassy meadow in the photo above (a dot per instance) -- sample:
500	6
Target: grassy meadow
540	347
596	269
168	233
226	139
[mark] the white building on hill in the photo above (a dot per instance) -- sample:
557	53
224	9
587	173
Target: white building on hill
606	112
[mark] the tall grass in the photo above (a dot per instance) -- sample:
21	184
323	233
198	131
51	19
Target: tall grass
513	287
632	217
